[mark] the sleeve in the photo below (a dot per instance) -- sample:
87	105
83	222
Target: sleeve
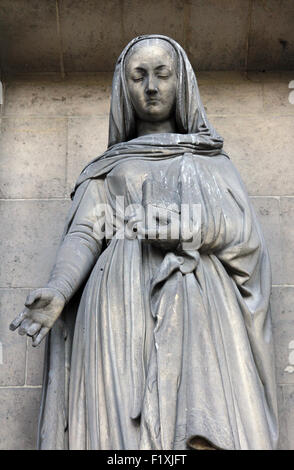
82	242
245	255
247	262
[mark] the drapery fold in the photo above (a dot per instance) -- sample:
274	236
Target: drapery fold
222	285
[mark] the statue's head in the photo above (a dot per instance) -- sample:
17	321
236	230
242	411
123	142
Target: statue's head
154	81
151	77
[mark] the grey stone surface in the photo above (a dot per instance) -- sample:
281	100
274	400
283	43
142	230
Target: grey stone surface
204	27
282	315
230	34
35	359
33	155
28	35
230	93
168	17
87	138
276	93
283	438
270	76
19	408
287	417
271	43
268	213
100	29
13	347
287	234
30	235
261	147
275	90
50	95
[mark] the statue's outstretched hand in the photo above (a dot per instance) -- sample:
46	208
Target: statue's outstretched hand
42	308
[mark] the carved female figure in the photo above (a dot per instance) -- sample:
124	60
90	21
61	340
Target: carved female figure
157	342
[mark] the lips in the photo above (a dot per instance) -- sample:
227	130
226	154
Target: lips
152	101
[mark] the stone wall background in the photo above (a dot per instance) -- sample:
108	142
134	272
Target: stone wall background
50	128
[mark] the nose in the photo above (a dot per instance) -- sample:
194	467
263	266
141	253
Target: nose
151	86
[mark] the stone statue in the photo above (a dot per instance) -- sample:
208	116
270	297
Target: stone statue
158	338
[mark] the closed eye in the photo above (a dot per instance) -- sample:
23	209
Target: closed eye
163	72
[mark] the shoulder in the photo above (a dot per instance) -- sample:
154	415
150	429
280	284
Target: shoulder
225	172
225	166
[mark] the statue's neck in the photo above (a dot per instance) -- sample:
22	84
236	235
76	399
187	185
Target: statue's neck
145	128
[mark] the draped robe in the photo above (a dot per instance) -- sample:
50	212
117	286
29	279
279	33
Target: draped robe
165	348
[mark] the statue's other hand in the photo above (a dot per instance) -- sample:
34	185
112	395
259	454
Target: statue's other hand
162	228
42	308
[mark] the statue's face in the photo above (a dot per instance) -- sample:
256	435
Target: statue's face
151	78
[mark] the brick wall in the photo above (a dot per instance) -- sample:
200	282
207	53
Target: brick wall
50	128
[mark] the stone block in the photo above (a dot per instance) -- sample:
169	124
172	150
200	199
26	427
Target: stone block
99	27
217	35
286	415
229	93
30	235
28	36
35	363
87	138
13	346
167	17
33	155
283	438
270	76
261	147
283	329
19	411
51	95
276	92
268	213
203	27
287	236
276	86
271	44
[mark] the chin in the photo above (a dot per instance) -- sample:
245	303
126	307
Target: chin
156	115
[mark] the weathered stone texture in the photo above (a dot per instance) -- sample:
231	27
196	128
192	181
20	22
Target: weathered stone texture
282	314
87	138
261	146
287	235
33	154
75	95
19	408
35	360
268	213
286	417
30	235
13	347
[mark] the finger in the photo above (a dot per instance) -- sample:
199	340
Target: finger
35	295
34	329
24	326
17	321
40	336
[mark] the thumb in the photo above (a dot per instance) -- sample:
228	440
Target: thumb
32	297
